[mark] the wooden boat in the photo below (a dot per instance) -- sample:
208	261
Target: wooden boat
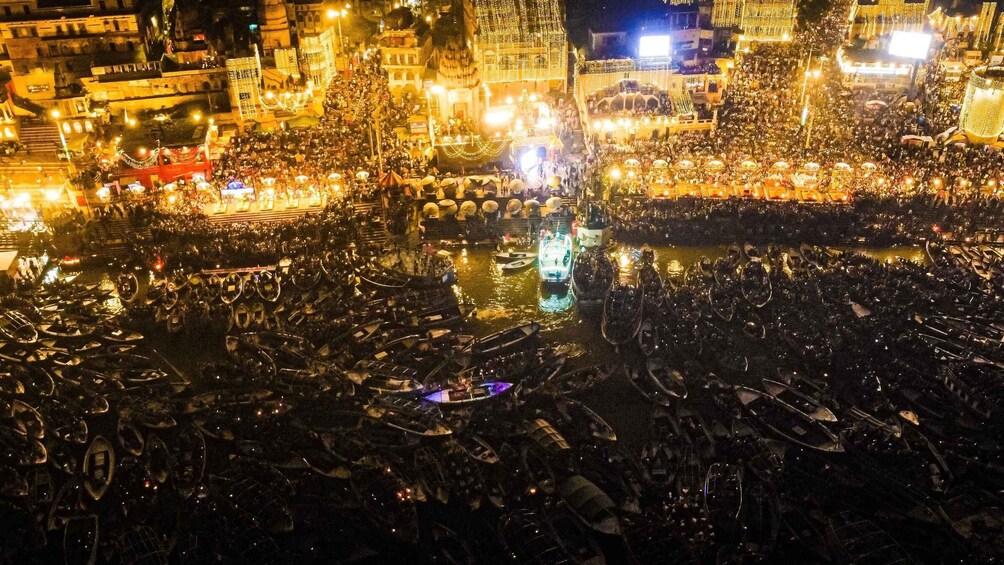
242	316
388	501
127	287
858	540
723	493
644	385
788	422
412	416
268	286
580	380
189	460
510	256
81	539
517	265
504	340
665	379
381	280
18	450
478	449
579	415
755	284
16	327
129	437
27	419
651	283
464	395
385	377
99	467
648	338
431	476
157	458
722	303
231	288
802	402
119	335
592	275
590	505
622	313
527	539
67	329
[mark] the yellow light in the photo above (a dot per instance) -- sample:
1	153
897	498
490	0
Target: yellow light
438	89
428	19
615	173
508	99
55	113
269	94
332	13
142	150
498	117
197	117
52	195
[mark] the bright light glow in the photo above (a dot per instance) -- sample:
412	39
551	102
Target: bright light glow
910	44
653	46
498	117
438	89
52	195
529	160
55	113
615	173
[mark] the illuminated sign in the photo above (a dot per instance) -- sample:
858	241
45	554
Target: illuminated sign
654	46
909	44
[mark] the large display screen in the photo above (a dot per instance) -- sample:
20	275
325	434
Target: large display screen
910	44
653	46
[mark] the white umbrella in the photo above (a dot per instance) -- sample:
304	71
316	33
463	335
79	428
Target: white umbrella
428	180
748	165
715	164
514	206
531	203
781	165
534	183
430	210
489	206
447	207
686	164
868	166
812	166
362	175
468	208
842	167
660	164
448	181
553	203
516	186
632	163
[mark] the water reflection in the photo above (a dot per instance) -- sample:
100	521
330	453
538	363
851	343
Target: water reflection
552	300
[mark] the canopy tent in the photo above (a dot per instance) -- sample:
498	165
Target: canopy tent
391	180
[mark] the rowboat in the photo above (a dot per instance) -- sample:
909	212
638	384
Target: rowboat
666	379
517	265
463	395
99	467
504	340
622	313
509	256
802	402
788	422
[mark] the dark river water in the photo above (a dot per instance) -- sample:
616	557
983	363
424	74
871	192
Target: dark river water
506	300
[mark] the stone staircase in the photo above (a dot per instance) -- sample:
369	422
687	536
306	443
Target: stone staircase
261	217
41	139
114	237
371	234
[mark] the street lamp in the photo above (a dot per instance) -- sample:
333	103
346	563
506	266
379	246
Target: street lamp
62	138
338	15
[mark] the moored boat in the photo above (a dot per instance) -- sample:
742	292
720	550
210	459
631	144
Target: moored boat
788	422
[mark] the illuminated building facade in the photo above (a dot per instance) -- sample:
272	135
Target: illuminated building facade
982	117
758	20
518	43
318	52
274	27
244	76
872	19
405	54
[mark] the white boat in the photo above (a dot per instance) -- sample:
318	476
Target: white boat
555	258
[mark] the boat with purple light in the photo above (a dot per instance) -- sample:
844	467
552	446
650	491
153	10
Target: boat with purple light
463	394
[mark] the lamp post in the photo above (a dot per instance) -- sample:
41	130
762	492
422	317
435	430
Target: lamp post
337	15
62	138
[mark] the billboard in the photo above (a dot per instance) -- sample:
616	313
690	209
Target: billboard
653	46
910	44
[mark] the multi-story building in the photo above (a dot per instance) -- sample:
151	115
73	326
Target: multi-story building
405	54
518	44
757	20
871	19
133	87
57	43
